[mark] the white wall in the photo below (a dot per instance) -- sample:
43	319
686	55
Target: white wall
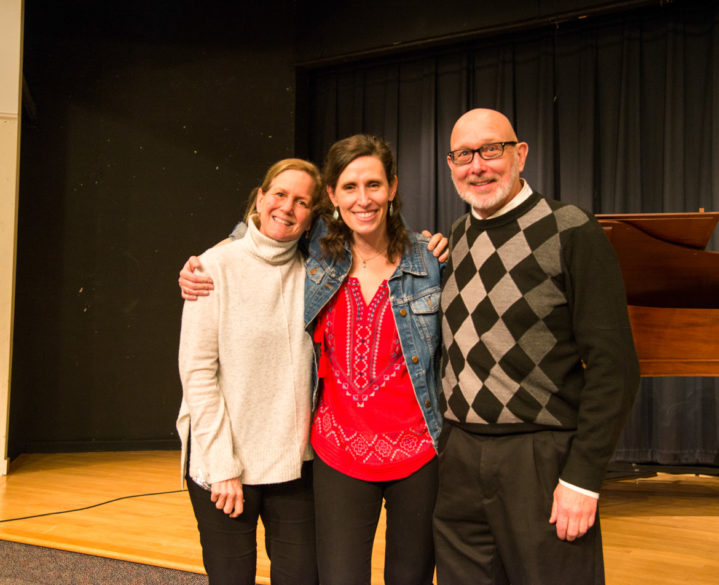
11	24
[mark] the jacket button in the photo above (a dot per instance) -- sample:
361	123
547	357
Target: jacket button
415	359
403	312
427	403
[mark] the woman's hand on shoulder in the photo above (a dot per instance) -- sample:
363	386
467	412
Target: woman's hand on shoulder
193	285
437	245
228	497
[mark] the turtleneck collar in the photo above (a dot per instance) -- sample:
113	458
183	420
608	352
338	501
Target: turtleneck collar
267	249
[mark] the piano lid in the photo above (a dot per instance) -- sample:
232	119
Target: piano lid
692	230
672	287
663	260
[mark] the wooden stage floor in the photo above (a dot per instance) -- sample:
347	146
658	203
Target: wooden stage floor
660	531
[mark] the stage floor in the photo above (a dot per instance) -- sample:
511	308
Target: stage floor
662	530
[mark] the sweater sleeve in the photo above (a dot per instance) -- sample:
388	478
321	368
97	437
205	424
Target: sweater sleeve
604	340
199	366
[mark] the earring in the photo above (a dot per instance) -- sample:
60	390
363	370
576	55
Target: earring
391	208
336	214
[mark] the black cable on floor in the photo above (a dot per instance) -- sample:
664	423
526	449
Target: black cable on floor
90	507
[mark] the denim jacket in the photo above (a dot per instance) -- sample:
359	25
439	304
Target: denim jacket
414	297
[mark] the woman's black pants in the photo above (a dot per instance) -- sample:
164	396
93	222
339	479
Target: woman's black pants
347	511
229	545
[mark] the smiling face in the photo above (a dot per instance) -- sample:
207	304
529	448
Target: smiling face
487	185
362	194
285	209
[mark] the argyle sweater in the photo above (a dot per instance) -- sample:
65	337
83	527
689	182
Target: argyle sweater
535	331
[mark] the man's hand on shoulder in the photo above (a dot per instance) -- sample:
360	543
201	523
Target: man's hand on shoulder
437	245
573	513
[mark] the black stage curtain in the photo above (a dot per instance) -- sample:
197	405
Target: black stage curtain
621	116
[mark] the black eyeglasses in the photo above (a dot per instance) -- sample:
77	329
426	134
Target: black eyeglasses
464	156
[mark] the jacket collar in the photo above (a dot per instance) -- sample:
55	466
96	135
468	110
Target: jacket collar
412	261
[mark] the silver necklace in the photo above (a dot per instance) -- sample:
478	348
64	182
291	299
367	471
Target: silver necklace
365	260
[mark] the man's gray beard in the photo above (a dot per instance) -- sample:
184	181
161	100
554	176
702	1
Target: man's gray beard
482	202
499	199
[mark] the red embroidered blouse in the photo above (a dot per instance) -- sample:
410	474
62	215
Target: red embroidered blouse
368	424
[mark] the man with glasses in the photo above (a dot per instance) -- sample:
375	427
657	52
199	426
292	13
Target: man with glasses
539	373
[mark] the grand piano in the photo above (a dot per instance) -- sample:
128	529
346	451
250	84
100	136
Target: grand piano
672	284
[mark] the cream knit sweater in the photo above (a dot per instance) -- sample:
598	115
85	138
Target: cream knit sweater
245	362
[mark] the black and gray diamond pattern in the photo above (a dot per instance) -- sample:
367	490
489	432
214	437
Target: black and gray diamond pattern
500	292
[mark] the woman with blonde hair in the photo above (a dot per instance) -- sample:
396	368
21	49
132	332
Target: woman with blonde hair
245	362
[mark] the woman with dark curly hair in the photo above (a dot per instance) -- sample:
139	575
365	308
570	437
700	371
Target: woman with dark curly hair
371	299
